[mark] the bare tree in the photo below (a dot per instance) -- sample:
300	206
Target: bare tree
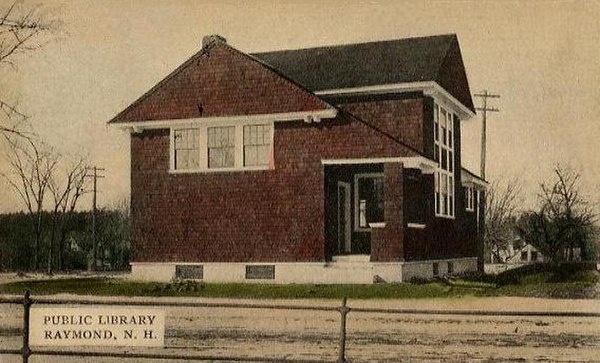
30	167
564	221
23	29
500	217
65	193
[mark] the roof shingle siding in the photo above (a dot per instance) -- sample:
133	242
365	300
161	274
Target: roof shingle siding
376	63
221	82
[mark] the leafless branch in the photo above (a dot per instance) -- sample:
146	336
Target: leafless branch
23	29
31	164
565	218
500	217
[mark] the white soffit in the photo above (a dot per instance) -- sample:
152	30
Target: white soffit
314	116
429	88
469	180
426	166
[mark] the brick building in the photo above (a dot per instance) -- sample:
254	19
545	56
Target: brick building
324	165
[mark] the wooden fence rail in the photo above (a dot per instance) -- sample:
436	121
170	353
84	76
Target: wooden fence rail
27	301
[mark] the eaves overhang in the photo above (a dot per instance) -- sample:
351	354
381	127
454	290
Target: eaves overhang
429	88
306	116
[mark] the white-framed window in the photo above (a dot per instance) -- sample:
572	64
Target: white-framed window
219	146
469	199
368	200
257	145
186	149
444	156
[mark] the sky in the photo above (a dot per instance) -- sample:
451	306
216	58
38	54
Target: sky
542	57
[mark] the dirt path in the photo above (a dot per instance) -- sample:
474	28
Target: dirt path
371	337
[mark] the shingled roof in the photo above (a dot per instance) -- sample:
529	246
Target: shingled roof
420	59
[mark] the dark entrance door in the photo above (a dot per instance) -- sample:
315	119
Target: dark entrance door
344	218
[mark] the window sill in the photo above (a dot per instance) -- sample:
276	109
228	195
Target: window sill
372	226
444	216
220	170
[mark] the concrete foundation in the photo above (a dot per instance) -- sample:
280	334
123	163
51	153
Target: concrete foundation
345	270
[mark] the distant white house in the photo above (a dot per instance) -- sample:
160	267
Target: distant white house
517	252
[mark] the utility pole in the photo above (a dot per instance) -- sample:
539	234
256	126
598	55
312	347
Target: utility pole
485	95
95	177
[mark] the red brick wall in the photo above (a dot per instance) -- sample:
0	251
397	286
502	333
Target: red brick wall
275	215
222	82
401	118
442	237
278	215
387	244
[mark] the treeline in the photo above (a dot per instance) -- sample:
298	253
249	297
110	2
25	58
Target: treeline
563	226
66	241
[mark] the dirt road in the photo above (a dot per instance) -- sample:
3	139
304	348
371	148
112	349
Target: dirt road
371	337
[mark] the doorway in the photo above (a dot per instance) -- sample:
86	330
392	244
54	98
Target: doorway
344	218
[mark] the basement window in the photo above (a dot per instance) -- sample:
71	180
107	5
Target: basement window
189	272
436	269
260	272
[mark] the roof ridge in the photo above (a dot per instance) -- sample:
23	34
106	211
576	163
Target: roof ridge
360	43
443	59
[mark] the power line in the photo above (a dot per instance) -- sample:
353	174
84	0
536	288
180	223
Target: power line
485	95
95	177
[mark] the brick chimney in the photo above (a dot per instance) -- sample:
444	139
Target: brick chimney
212	39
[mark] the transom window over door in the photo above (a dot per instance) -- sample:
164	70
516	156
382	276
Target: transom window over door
257	145
186	149
444	156
221	147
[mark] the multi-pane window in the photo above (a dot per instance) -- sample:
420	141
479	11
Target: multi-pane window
241	146
221	147
369	200
469	199
257	145
186	149
444	156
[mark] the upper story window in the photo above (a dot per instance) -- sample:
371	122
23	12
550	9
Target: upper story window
221	147
243	146
444	156
186	149
257	145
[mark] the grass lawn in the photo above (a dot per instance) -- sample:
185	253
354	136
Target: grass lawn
539	281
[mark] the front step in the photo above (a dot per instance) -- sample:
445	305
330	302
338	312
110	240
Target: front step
351	258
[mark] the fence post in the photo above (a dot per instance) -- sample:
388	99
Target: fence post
343	312
26	351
